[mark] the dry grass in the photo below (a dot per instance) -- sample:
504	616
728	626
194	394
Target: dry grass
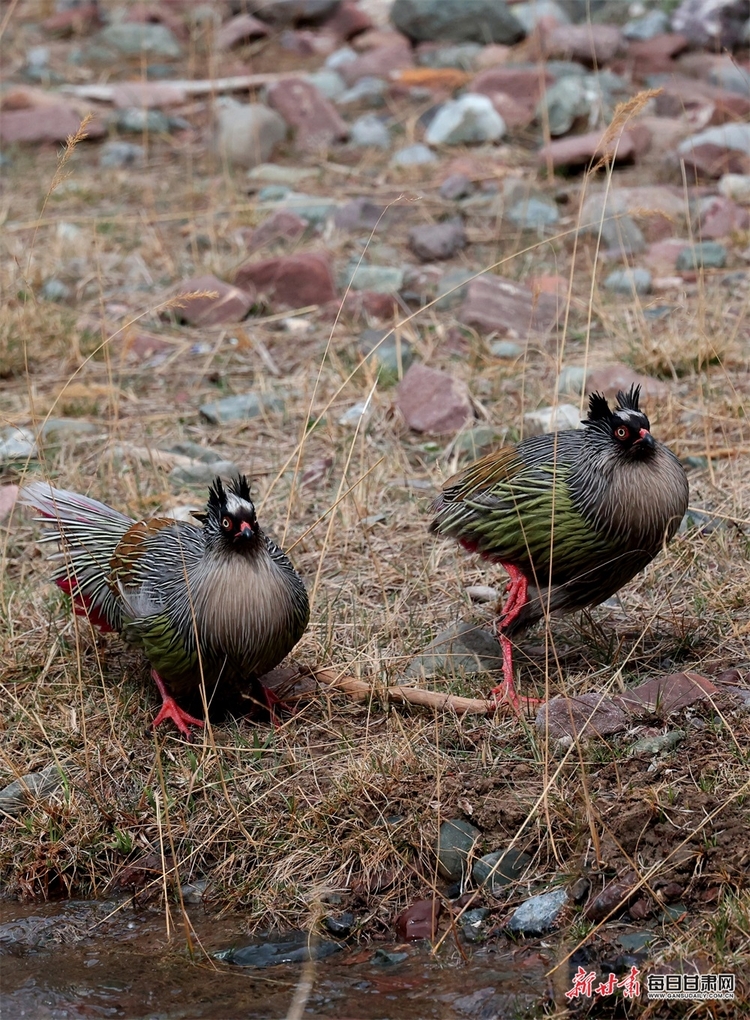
344	800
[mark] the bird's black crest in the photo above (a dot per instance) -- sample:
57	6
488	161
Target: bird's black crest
241	488
629	401
598	408
217	497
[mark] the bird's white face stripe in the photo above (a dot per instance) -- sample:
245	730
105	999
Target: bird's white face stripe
238	507
632	418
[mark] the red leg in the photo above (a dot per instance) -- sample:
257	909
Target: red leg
171	710
516	597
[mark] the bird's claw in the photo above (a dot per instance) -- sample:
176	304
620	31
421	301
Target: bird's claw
182	720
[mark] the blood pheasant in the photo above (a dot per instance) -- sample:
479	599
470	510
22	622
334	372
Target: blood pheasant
572	515
219	603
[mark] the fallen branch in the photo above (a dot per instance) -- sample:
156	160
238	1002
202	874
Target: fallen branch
360	691
134	93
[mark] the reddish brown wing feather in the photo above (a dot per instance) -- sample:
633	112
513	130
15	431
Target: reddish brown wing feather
498	466
132	546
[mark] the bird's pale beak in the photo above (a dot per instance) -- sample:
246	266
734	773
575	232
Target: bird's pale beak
646	439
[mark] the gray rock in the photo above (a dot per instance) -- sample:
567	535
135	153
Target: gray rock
629	281
274	193
473	442
529	14
368	90
62	428
505	349
355	415
246	135
584	717
499	869
413	155
380	279
313	209
736	187
469	119
283	13
392	353
385	958
120	155
456	841
650	25
725	136
274	173
340	925
202	474
539	914
240	407
328	82
462	55
564	102
16	443
295	947
703	255
472	925
194	892
572	379
195	451
711	24
463	648
551	419
370	131
135	120
132	39
456	186
452	288
340	57
661	742
732	78
22	793
433	241
54	290
481	21
533	213
696	520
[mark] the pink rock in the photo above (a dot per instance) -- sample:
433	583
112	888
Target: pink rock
281	225
377	37
147	94
494	304
291	281
585	716
74	21
363	306
712	161
702	103
433	401
610	379
661	257
655	56
8	497
721	217
49	123
590	44
306	43
315	120
419	921
515	113
231	304
494	54
240	30
432	241
578	150
348	20
378	63
523	84
668	694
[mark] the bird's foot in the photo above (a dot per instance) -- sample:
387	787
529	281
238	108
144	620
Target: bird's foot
516	594
171	710
274	703
505	693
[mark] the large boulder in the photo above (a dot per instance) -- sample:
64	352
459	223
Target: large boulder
482	21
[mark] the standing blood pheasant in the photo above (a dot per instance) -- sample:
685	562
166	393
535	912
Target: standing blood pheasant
572	516
219	603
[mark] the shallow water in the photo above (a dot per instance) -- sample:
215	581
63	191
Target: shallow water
93	959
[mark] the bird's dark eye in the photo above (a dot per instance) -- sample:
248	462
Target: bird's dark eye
621	432
226	523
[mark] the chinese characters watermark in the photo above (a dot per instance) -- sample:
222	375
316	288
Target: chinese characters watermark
658	986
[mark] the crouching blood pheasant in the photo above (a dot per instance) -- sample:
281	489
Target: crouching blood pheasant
219	604
572	515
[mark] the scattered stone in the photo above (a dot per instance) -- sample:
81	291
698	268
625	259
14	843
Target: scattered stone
482	593
370	131
652	24
316	122
387	349
368	91
538	914
563	104
241	29
470	118
34	786
388	959
279	226
539	13
328	82
460	55
636	942
463	648
419	921
471	923
571	380
413	155
52	122
273	173
361	214
706	23
311	208
718	150
702	255
290	281
379	62
240	407
433	401
481	21
552	419
533	214
438	240
665	695
611	901
378	279
629	281
203	474
194	892
582	717
736	187
610	379
138	120
731	77
293	947
452	288
496	304
283	13
228	304
135	39
456	841
659	743
505	349
720	217
472	442
340	925
579	150
121	155
592	44
456	186
54	290
246	134
499	869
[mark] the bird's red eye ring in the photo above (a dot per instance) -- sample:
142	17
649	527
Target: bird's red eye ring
621	432
226	523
